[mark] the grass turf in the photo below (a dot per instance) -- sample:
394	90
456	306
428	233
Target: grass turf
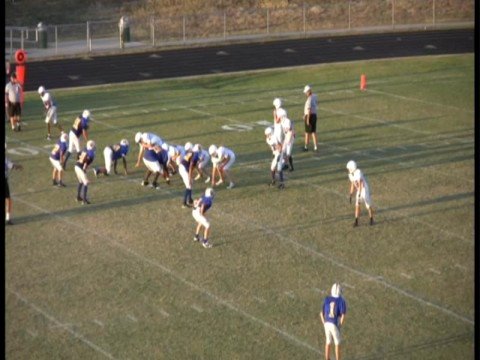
122	278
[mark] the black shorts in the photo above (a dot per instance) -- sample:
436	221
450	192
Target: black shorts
312	126
7	189
14	109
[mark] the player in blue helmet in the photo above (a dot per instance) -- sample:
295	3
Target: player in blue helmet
112	154
86	157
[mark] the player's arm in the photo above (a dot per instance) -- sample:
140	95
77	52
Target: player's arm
352	188
321	317
85	134
140	154
342	319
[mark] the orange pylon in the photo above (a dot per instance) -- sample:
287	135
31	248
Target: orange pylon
363	82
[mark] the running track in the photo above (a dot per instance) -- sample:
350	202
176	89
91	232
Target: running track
162	64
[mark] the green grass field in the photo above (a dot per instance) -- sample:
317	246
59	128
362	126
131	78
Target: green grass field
121	278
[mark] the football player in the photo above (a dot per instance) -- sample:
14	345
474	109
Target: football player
201	159
50	109
201	206
359	183
79	128
146	141
288	139
57	156
153	158
85	158
112	154
185	169
222	160
277	161
278	113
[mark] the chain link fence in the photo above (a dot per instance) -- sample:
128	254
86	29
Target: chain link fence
237	24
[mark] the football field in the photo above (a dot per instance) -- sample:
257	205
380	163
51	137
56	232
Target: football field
122	278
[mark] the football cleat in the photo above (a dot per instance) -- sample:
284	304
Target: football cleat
281	186
155	186
206	245
197	177
207	180
95	171
196	238
9	222
48	137
79	199
371	221
85	202
272	183
54	182
144	183
231	186
61	184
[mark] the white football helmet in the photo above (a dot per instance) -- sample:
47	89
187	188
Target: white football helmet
172	151
41	90
197	148
268	131
188	146
138	137
86	114
90	145
277	103
124	142
351	166
64	137
281	113
209	192
306	89
336	290
46	97
212	149
165	146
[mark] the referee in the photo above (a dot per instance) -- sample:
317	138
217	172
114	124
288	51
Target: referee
13	96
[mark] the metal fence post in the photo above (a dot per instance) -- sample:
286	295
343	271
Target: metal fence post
268	21
21	39
304	21
11	43
224	24
184	35
152	30
88	36
56	39
393	14
349	14
433	10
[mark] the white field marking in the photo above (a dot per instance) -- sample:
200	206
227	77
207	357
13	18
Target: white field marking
406	164
378	279
32	333
55	321
401	147
145	111
406	98
290	294
173	274
197	308
132	318
348	285
461	267
61	326
409	277
98	322
435	271
164	313
259	299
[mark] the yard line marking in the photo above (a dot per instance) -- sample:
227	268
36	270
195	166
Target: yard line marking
435	271
57	322
175	275
98	322
197	308
131	317
420	101
164	313
409	277
460	267
379	279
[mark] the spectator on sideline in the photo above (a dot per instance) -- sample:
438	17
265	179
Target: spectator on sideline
9	165
310	117
13	98
333	316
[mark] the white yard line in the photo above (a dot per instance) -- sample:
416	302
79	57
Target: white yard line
60	324
175	275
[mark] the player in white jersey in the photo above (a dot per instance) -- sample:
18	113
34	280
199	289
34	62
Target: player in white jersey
278	113
288	139
359	183
222	160
146	141
50	109
200	160
277	161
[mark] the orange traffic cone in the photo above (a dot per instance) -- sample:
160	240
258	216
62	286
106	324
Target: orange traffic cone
363	82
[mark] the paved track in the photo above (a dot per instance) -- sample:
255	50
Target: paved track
230	58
